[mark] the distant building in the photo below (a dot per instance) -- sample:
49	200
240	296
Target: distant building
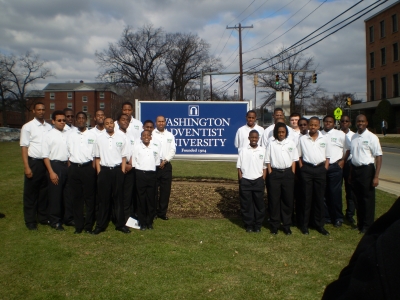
383	61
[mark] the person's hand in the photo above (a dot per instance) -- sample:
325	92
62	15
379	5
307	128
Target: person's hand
341	164
54	178
162	164
375	182
28	172
128	168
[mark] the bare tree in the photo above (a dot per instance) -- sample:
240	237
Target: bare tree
327	105
301	87
135	59
20	72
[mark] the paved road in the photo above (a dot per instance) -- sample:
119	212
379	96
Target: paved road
389	178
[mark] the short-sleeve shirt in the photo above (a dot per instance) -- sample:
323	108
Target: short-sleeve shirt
167	140
145	158
313	151
242	135
54	145
281	154
111	148
337	143
251	162
32	136
81	146
364	148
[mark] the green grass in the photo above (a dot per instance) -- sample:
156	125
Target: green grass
180	259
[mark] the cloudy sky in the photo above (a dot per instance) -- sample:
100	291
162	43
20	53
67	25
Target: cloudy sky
67	34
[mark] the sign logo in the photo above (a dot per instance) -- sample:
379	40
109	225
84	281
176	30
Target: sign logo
194	110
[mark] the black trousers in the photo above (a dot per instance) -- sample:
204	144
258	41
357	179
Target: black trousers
280	187
146	188
361	178
298	196
164	181
81	179
129	194
350	197
35	193
56	192
110	183
333	193
252	202
314	182
68	203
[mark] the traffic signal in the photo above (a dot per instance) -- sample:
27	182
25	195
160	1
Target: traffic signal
348	101
290	78
314	78
276	79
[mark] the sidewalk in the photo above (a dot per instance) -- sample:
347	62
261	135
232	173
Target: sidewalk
388	143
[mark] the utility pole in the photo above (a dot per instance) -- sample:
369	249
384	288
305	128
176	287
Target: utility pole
240	57
211	87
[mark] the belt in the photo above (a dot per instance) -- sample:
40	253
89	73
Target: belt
112	168
281	170
144	171
88	163
312	165
34	158
59	161
362	166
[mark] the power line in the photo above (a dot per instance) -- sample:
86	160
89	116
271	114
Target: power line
242	12
255	11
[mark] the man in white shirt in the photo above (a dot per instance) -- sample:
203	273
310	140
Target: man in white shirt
82	174
145	159
164	170
366	151
99	119
294	119
69	115
55	157
111	152
314	162
340	150
135	126
242	134
35	181
345	124
251	175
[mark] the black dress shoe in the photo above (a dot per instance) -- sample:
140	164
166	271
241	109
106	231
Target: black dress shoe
70	223
57	227
287	231
2	216
322	231
338	224
123	229
31	226
150	227
274	231
362	231
249	229
165	218
78	231
304	230
351	220
257	230
97	231
143	227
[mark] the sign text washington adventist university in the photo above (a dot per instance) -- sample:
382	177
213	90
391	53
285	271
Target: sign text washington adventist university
199	127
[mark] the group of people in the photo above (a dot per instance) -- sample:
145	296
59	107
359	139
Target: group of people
303	169
80	177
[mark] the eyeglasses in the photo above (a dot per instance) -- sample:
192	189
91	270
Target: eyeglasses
61	120
71	116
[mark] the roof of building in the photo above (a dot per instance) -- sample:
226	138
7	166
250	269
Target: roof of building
381	11
35	94
79	86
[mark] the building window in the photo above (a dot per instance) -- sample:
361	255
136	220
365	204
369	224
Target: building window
396	85
382	27
101	95
102	105
69	95
383	88
69	105
372	90
394	23
371	34
52	106
84	98
395	52
383	56
52	96
372	60
84	108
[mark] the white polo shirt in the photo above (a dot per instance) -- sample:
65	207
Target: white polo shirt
337	143
68	128
32	136
54	146
281	154
269	132
97	131
167	140
251	162
364	148
242	135
111	148
145	158
81	146
313	152
349	136
135	128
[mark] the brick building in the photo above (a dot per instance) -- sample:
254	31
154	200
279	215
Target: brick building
383	61
86	97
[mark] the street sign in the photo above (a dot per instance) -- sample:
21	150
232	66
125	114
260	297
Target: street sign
338	113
